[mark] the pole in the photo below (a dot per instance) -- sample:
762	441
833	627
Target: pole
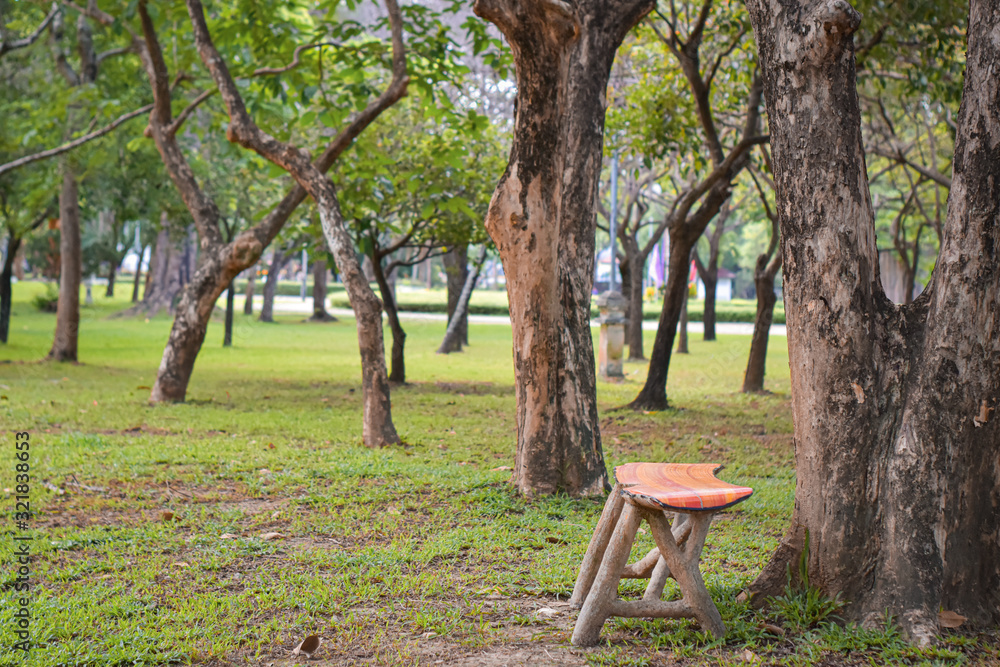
614	214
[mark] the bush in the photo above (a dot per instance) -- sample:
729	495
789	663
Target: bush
48	302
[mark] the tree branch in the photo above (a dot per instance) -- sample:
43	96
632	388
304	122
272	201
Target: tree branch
24	42
68	146
263	71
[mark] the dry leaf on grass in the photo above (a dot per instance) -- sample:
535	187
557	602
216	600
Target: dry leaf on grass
748	655
429	635
181	563
950	619
546	612
501	468
227	536
774	629
307	646
272	536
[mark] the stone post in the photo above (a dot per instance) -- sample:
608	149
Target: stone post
611	345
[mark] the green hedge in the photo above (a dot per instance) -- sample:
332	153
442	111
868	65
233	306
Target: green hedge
724	312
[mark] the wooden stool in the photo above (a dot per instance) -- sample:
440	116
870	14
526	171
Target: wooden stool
649	491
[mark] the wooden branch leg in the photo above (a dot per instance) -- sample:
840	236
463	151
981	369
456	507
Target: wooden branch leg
684	567
598	545
654	589
605	589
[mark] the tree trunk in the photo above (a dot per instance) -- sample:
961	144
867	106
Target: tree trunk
456	263
896	434
542	218
682	327
164	277
637	267
110	292
711	282
251	284
763	279
138	275
654	393
319	293
6	293
453	335
68	312
277	262
397	371
227	338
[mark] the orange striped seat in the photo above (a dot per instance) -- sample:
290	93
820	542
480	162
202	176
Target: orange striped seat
684	487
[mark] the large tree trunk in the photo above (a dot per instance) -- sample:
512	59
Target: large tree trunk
278	261
453	335
542	218
251	285
456	265
896	432
6	293
397	371
68	312
763	279
319	293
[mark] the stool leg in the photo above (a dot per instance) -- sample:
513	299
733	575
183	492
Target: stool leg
598	544
684	567
654	589
605	589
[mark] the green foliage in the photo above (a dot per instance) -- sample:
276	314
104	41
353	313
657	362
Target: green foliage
804	606
47	301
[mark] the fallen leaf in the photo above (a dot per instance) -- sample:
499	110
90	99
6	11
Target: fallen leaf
271	536
276	514
774	629
748	655
181	563
166	516
227	536
500	468
546	612
307	646
950	619
555	540
142	386
743	597
428	635
392	509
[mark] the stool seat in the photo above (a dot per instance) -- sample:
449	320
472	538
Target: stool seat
678	487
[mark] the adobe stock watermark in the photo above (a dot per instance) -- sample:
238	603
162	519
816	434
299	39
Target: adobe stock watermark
21	558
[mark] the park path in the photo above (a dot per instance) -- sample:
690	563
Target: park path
292	305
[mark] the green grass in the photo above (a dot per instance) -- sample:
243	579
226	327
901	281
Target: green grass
405	555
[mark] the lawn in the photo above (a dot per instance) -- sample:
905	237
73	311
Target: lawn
223	530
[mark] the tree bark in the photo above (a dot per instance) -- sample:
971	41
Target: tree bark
542	219
636	263
68	312
251	284
453	335
278	261
227	338
319	293
397	371
894	407
456	264
6	293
